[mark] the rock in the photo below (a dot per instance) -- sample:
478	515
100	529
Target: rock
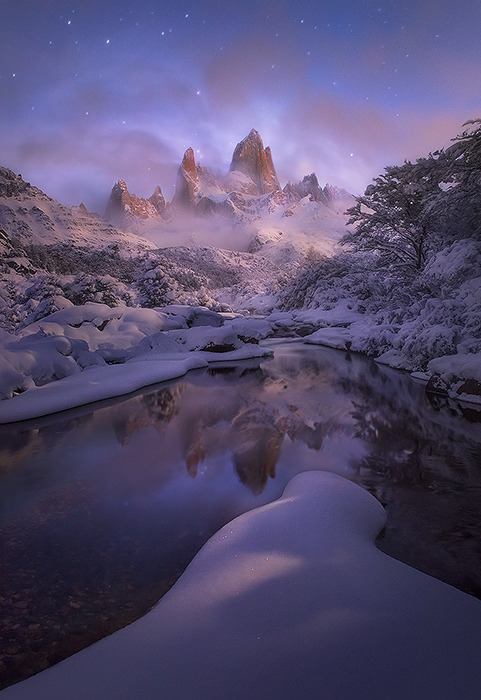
122	205
307	187
187	185
437	385
471	387
251	158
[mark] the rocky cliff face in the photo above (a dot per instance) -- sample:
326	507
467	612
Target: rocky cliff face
251	158
158	202
122	205
308	186
187	185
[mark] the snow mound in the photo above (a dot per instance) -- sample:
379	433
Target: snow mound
290	600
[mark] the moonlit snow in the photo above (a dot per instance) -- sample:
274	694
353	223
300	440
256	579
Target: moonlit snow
291	600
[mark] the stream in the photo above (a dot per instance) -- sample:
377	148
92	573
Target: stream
103	507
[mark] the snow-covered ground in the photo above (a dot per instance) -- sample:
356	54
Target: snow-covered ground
289	600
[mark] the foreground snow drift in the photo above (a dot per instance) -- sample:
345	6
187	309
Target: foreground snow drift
290	600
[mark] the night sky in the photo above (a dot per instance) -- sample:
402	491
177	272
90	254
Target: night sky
96	91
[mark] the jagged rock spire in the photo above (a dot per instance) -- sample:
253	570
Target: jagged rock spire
252	159
308	186
121	204
187	185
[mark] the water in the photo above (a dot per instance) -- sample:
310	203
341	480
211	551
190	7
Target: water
103	509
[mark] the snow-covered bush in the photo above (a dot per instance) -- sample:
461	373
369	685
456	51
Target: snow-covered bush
66	259
103	290
162	282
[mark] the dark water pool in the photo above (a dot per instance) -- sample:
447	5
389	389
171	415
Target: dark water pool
103	507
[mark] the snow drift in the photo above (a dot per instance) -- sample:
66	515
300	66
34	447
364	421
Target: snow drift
289	600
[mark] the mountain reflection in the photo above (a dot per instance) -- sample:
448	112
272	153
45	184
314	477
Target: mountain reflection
247	413
305	397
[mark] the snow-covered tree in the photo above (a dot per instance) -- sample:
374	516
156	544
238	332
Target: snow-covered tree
393	218
458	209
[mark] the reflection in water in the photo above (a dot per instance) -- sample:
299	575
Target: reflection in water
103	510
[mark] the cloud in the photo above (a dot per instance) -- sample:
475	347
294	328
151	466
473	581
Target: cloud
128	110
349	142
98	158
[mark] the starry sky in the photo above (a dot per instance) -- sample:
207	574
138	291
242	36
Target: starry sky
95	91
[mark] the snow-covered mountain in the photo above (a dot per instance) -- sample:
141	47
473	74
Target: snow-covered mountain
228	241
243	209
30	217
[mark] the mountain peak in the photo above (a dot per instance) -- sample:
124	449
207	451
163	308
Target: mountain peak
254	135
188	162
121	204
187	185
308	186
251	158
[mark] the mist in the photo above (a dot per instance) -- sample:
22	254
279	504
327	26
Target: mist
214	230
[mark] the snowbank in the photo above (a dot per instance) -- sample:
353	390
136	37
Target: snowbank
405	320
291	600
459	376
94	384
66	360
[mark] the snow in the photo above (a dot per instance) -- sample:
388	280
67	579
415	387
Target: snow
289	600
332	337
32	217
460	374
62	361
94	384
466	365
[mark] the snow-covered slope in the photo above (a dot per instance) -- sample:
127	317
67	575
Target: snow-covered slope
31	217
